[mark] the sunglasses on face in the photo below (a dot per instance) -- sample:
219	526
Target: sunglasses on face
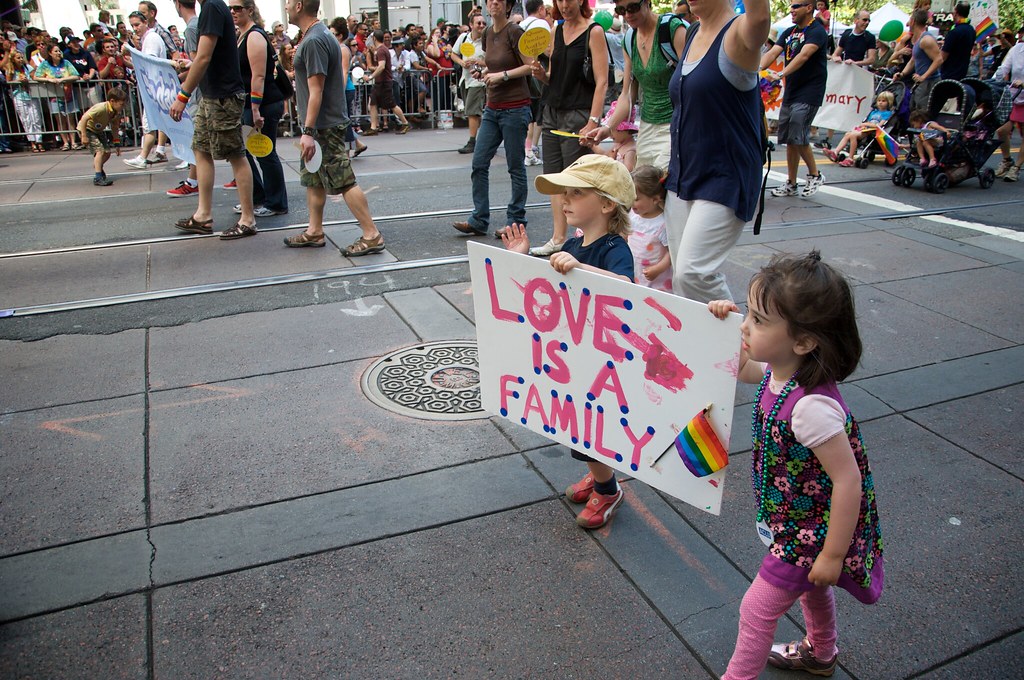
798	6
236	8
631	8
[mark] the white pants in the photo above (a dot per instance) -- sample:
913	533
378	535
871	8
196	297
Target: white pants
31	117
700	236
654	144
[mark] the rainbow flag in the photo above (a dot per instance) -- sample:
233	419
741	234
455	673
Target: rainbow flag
985	28
699	447
889	146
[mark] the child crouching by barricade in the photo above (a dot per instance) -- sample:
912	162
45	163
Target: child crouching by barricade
93	131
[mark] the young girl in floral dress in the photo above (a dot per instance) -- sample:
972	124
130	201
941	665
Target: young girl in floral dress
812	483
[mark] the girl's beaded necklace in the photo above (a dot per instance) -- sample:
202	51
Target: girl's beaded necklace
761	435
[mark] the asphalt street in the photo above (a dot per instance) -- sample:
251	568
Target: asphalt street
195	483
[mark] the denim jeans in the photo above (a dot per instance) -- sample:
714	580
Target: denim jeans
268	191
497	125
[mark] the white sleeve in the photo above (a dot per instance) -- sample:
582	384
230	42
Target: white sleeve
816	419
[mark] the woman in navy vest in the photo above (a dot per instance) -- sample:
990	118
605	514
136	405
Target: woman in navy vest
714	176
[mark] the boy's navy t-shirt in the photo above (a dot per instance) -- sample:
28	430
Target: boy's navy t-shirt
610	253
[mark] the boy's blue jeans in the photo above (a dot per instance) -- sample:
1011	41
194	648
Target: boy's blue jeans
496	126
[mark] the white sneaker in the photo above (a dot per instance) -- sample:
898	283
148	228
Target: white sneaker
237	209
814	183
1004	167
531	159
787	189
136	162
181	166
546	250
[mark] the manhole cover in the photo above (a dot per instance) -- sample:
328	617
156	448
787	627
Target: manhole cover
432	381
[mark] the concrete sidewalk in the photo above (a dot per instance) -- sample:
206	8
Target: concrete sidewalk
220	499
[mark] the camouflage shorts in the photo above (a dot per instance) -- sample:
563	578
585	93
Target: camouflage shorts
335	174
218	127
99	142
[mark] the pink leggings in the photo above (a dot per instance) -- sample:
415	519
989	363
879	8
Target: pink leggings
760	611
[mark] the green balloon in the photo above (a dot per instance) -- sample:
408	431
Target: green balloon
604	18
891	31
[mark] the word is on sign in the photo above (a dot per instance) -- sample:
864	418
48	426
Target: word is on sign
604	366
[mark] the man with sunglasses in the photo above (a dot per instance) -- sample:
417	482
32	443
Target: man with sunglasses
857	46
805	72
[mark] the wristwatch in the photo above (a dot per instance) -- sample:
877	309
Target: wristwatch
308	131
504	77
595	120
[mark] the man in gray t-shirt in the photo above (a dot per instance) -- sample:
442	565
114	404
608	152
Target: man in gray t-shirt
320	71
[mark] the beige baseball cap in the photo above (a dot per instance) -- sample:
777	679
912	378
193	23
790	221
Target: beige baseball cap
592	171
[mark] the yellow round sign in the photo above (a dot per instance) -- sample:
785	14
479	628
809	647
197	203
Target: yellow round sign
534	41
259	145
467	49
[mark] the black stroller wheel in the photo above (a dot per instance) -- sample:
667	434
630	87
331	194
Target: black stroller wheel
909	175
897	175
987	178
940	182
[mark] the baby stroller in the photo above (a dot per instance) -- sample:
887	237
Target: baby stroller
893	127
966	108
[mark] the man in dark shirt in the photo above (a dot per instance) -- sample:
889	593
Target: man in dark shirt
805	71
956	48
218	120
857	46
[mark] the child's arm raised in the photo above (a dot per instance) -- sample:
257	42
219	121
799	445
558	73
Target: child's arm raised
839	463
514	238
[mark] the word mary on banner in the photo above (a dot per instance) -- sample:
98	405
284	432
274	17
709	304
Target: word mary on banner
606	367
158	86
849	94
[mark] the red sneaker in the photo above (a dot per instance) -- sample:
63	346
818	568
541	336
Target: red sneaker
580	491
183	189
231	185
598	510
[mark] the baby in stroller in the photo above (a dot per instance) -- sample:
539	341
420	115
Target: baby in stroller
930	136
881	114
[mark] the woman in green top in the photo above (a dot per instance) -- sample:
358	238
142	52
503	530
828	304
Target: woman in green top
647	67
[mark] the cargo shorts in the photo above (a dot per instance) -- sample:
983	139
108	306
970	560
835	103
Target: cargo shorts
335	175
218	127
99	142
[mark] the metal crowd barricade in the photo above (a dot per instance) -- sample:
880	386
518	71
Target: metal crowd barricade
437	95
78	98
439	101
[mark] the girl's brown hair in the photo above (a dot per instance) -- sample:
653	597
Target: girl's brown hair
817	302
648	181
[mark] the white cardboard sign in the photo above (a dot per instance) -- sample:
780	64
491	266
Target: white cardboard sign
849	94
604	366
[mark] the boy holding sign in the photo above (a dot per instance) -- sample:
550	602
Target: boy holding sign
597	193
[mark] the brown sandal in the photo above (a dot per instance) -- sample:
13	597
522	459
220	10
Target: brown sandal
304	240
238	231
193	226
365	246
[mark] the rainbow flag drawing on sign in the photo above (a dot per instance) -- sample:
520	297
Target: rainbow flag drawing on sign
889	146
985	28
699	447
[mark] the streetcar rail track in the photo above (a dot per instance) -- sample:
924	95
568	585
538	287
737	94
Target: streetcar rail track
430	214
362	270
